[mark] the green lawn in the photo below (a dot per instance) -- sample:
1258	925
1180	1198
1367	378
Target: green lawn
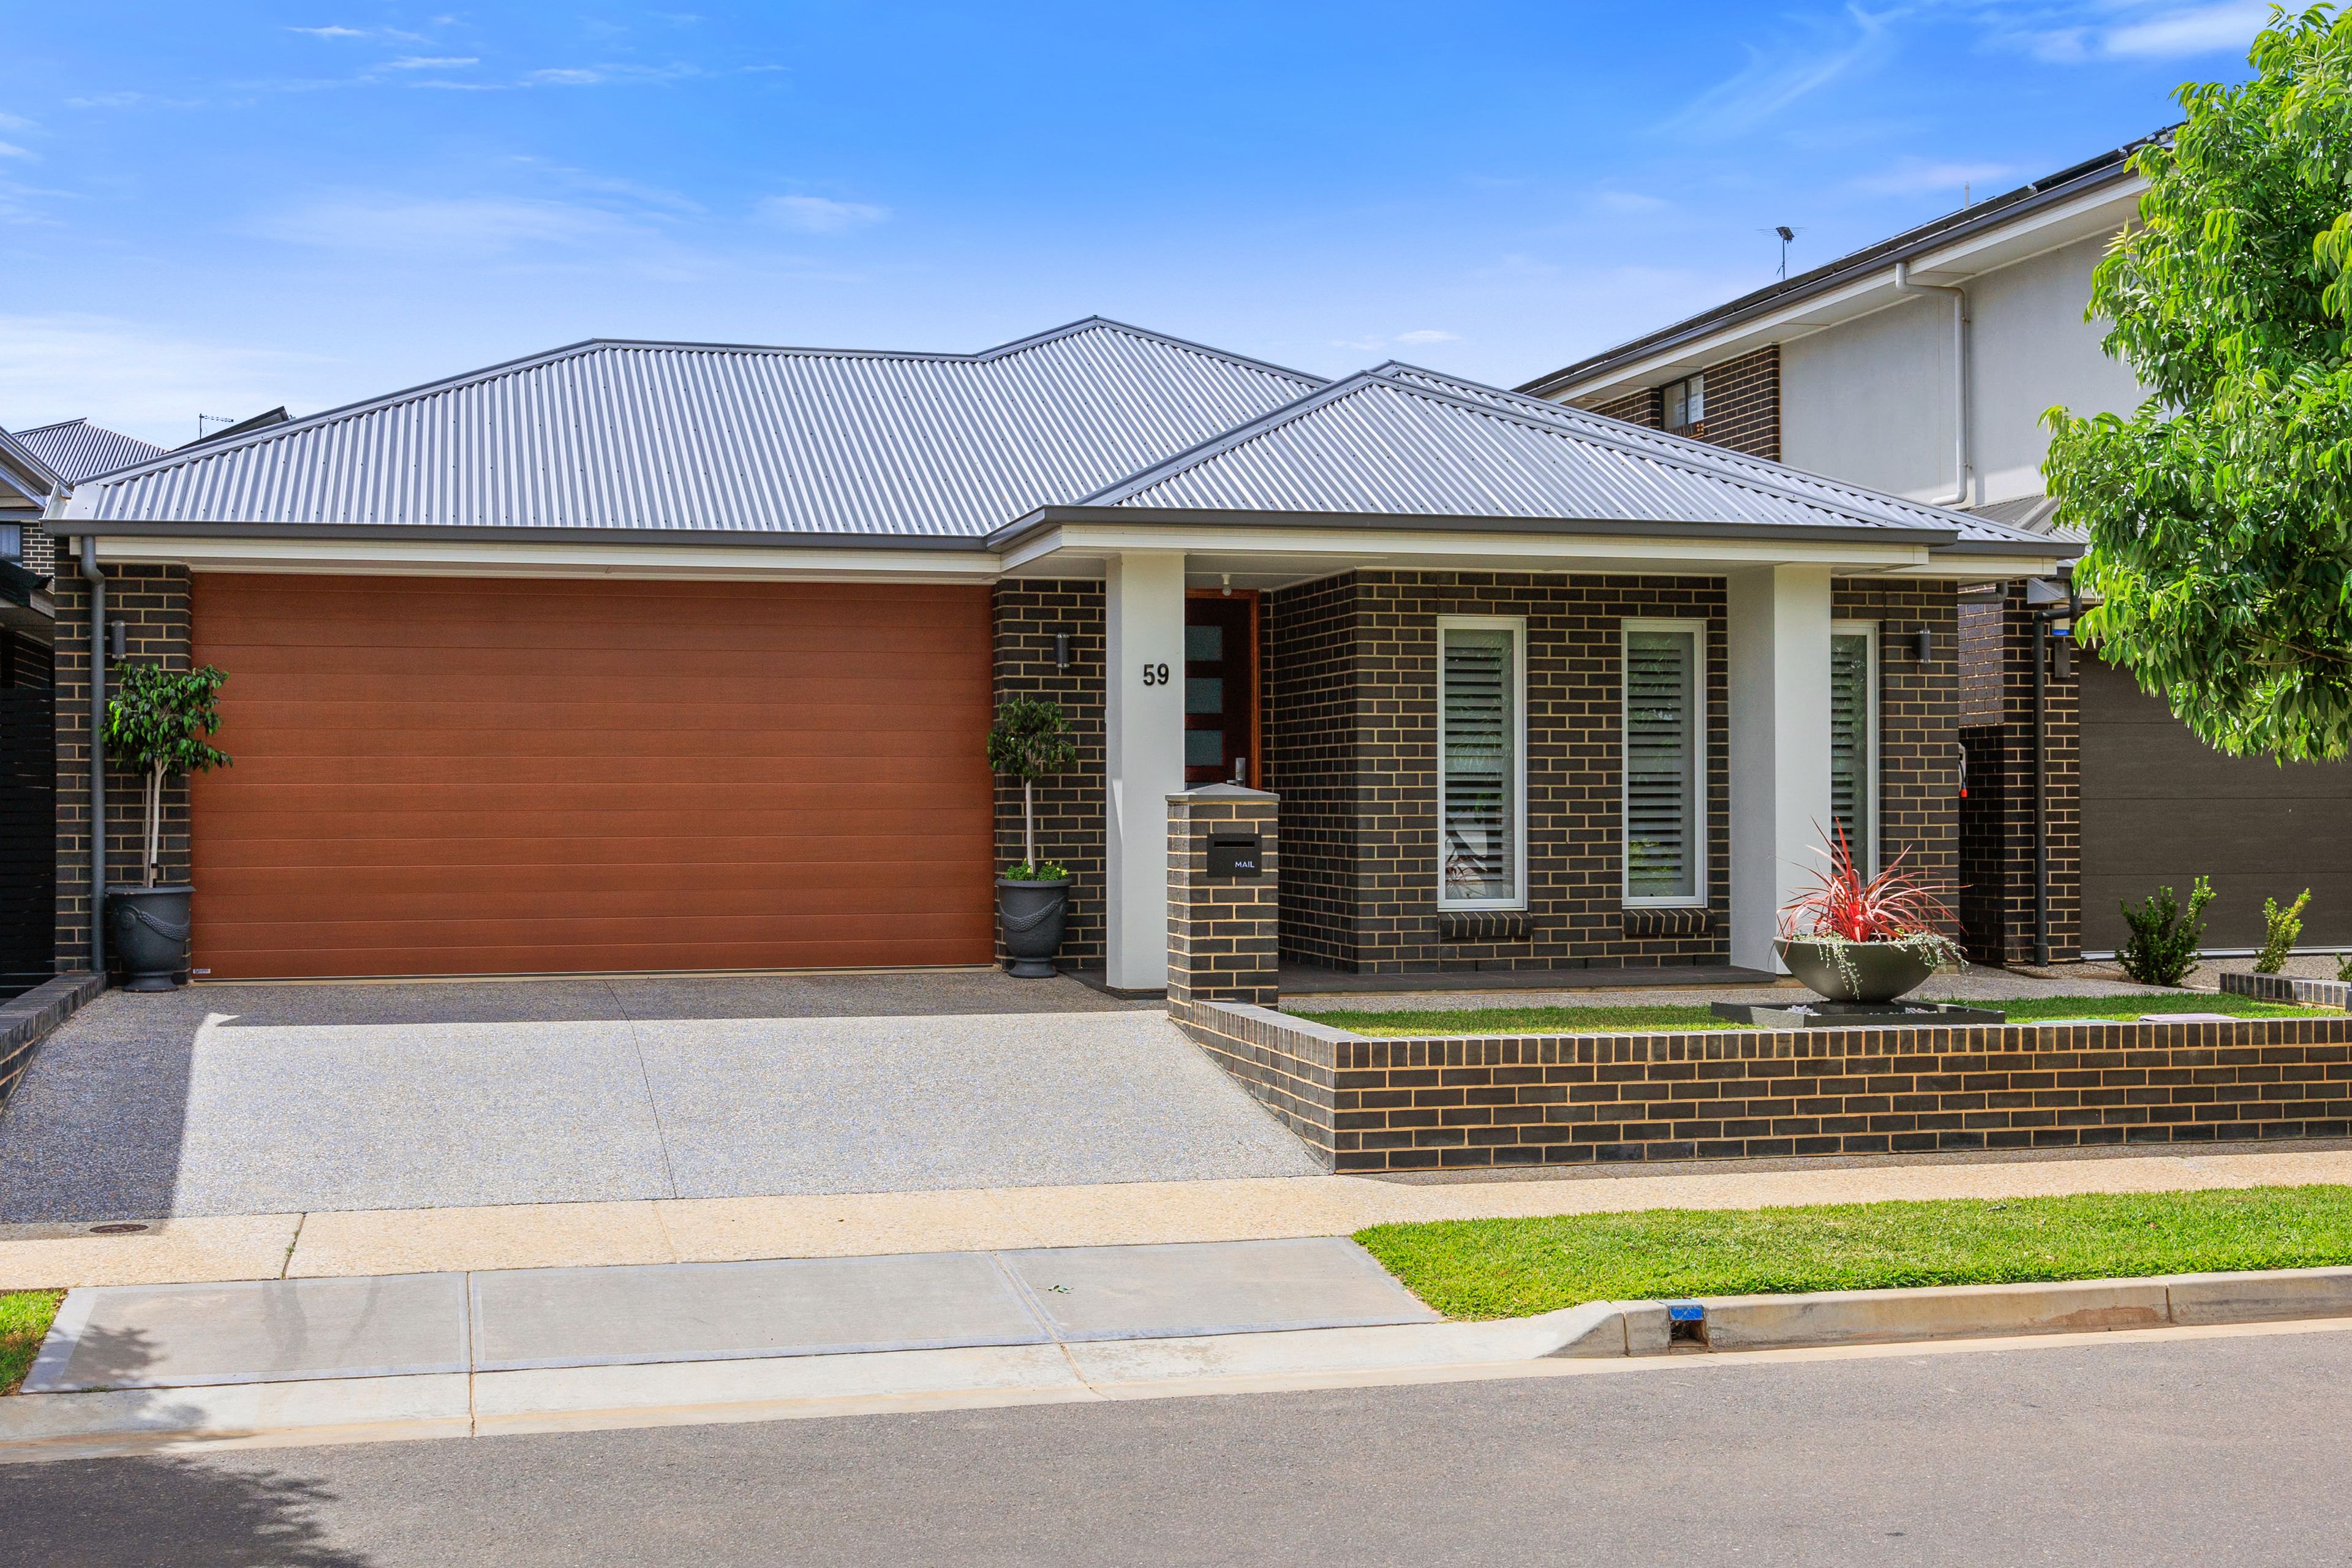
1684	1017
1514	1267
25	1318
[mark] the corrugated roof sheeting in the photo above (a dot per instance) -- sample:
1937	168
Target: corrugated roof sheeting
1738	467
1383	445
75	449
621	435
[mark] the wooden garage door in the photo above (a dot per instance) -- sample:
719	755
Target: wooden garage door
2160	807
461	777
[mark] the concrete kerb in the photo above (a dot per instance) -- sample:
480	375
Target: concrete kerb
52	1426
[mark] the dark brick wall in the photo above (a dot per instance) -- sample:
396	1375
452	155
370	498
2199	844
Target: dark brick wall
1918	733
40	556
1312	690
1743	405
1352	730
2020	634
153	602
1425	1104
1028	613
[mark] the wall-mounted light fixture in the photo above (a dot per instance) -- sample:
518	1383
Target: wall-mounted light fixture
1061	650
118	639
1923	644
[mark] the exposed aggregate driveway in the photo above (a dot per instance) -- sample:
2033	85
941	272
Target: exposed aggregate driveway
284	1099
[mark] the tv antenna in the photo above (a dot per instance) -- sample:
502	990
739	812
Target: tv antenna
222	420
1787	234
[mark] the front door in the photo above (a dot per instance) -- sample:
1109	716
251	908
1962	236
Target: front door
1220	688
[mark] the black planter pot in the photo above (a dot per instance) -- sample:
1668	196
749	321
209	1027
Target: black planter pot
1031	915
1870	971
149	930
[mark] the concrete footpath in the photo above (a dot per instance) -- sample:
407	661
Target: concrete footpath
328	1245
142	1369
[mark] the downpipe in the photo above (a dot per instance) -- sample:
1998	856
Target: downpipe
97	580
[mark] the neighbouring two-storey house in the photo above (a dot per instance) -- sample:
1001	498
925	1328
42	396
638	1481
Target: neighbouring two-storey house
1922	366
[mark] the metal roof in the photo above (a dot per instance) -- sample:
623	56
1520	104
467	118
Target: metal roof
1402	441
607	435
75	449
1991	212
26	483
1978	528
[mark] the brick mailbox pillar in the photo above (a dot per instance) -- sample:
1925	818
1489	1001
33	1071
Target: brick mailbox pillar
1223	896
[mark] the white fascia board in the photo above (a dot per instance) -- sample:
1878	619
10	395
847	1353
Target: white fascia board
1540	552
1986	568
2003	245
731	562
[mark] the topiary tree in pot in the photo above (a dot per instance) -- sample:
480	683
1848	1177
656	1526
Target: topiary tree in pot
1031	741
1854	938
158	721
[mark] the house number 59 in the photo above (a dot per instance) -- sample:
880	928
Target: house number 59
1155	675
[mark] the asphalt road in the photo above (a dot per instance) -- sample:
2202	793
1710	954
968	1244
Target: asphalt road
2190	1451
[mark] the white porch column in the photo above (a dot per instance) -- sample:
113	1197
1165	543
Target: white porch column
1144	757
1779	657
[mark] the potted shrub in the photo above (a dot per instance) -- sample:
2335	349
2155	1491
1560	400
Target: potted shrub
157	722
1031	741
1864	939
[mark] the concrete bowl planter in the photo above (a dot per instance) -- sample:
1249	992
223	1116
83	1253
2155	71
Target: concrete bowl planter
1031	915
1855	971
149	930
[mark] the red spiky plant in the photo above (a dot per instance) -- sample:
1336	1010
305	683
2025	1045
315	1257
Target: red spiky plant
1890	907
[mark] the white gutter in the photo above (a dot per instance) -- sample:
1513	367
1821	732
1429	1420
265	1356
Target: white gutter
1960	476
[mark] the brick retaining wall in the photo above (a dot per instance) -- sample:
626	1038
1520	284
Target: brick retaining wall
1452	1103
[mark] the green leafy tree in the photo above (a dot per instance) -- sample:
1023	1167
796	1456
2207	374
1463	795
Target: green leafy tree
1030	740
2219	514
157	722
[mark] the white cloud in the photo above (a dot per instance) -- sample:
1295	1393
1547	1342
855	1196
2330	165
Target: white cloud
1428	335
464	228
14	122
1773	80
331	32
568	75
106	100
2199	30
1914	176
816	215
427	62
10	150
146	382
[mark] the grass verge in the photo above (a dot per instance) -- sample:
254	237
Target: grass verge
1683	1017
25	1320
1514	1267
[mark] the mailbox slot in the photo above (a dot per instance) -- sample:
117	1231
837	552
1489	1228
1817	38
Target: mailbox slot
1235	855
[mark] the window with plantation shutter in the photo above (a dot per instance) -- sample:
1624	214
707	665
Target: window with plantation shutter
1480	789
1666	827
1853	740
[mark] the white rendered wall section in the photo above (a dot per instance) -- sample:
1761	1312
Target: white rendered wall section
1778	654
1144	742
1870	401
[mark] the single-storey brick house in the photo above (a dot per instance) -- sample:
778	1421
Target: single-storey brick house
641	655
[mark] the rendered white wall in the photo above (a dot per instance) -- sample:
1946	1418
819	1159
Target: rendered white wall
2032	348
1778	652
1144	745
1870	401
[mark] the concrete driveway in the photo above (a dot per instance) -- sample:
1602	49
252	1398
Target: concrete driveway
281	1098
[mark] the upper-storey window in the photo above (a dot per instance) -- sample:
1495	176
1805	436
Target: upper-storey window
12	542
1685	405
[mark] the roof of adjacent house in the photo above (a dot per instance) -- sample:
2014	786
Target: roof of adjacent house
636	438
1992	212
75	449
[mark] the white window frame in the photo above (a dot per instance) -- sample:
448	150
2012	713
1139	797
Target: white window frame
1701	829
1868	631
1517	626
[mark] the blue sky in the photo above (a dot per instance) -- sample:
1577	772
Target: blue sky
221	207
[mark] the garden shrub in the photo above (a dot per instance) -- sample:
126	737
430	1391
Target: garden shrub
2165	942
2282	928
